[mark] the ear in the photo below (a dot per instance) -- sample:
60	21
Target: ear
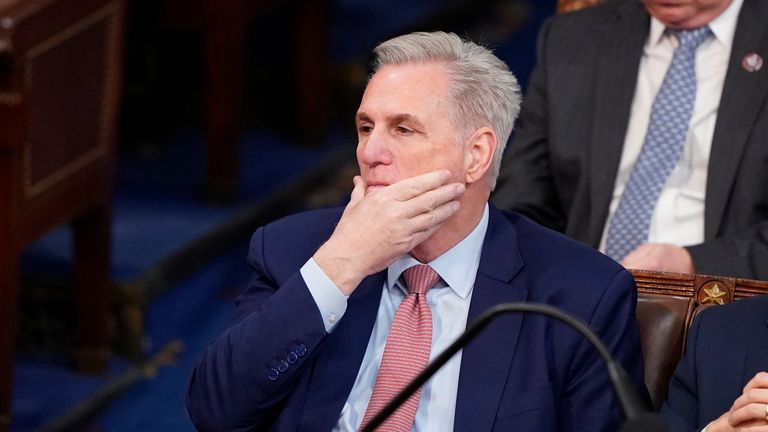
480	150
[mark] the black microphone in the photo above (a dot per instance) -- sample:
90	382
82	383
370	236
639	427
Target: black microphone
638	417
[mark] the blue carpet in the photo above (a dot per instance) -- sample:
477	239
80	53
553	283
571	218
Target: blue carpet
196	311
45	387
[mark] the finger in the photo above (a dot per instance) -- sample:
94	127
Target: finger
432	218
749	428
636	258
755	426
752	395
358	192
424	225
432	199
421	236
413	186
749	412
759	380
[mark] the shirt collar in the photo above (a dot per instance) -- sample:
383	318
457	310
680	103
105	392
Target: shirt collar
457	266
723	27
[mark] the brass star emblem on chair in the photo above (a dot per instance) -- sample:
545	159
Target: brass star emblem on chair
714	295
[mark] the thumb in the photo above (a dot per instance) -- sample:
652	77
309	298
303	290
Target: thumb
358	193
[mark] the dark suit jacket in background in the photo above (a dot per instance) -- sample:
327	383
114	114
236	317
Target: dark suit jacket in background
561	166
524	373
727	346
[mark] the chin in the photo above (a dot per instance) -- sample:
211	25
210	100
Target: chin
372	188
674	16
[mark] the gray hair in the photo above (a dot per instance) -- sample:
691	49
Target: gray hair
484	91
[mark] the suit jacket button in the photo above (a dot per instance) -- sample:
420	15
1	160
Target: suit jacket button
301	350
292	357
272	374
282	366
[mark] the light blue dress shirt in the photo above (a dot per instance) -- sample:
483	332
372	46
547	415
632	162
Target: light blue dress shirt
449	302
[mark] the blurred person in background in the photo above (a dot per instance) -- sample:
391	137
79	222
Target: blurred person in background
643	134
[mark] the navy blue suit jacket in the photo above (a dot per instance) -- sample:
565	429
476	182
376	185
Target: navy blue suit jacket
727	346
276	368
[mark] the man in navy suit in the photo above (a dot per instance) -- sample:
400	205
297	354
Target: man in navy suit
721	381
305	348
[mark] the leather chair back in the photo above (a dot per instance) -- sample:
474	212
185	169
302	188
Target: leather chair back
666	306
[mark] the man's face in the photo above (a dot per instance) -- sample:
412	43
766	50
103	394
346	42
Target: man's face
686	14
403	126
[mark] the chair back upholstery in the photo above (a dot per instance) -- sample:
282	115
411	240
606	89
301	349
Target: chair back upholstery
666	306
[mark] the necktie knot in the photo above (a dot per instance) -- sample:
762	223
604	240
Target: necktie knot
692	38
420	278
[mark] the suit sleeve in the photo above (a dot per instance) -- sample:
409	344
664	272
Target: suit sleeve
588	405
525	182
245	374
740	255
680	410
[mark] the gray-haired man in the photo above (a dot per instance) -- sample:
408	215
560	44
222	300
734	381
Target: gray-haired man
347	305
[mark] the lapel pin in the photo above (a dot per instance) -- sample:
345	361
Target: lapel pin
752	62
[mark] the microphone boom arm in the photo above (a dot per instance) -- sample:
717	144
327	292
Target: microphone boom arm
630	401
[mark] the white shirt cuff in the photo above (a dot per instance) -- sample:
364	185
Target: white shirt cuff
331	302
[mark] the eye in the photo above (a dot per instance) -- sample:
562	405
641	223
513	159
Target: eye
402	130
364	129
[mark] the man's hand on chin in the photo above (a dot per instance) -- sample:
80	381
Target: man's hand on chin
378	227
660	257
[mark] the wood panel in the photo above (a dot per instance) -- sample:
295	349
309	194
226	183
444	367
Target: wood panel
60	64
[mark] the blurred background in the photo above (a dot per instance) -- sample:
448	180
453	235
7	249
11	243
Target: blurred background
141	143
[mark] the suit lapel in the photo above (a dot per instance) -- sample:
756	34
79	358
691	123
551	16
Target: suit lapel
336	367
622	41
486	360
744	94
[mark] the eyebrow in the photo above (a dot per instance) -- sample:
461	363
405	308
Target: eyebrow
397	118
361	116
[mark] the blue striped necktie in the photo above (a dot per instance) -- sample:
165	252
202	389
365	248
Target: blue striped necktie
663	145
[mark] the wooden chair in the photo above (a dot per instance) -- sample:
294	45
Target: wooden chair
667	304
60	69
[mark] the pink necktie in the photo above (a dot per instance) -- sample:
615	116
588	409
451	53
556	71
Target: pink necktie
406	352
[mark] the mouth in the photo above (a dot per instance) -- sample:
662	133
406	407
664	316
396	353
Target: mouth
376	186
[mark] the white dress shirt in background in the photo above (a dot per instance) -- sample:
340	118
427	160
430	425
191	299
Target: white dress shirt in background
679	214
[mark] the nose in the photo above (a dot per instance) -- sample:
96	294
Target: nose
373	149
